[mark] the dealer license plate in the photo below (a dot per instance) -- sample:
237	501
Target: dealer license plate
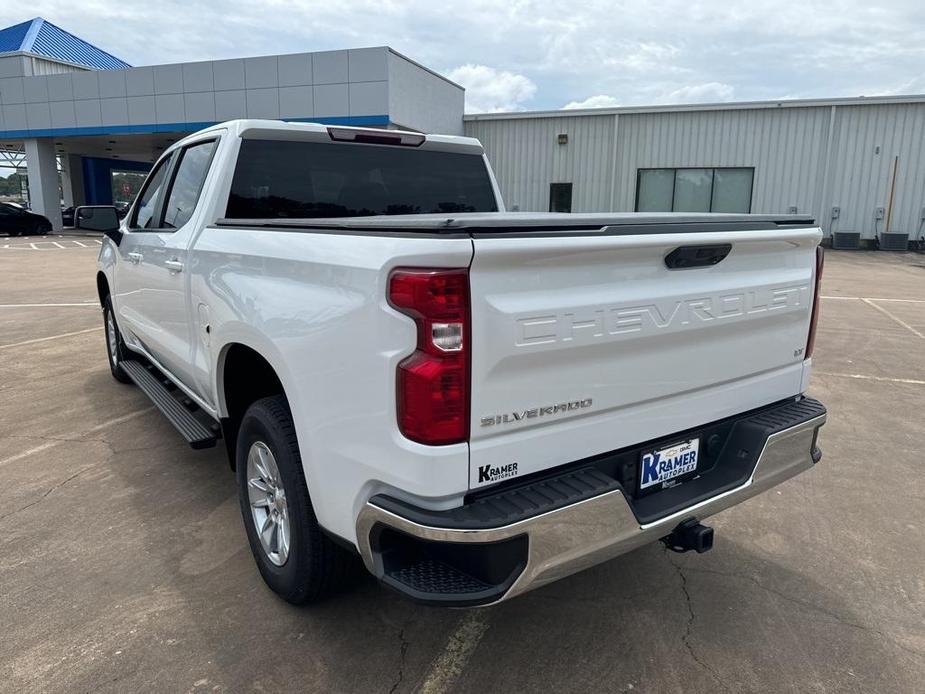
666	467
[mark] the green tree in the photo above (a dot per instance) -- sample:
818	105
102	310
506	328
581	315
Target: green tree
11	185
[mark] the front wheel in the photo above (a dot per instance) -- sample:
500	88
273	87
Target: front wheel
115	347
296	559
41	228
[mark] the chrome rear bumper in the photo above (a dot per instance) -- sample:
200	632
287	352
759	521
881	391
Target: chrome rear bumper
575	537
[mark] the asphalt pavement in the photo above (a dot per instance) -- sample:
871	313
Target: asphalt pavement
124	565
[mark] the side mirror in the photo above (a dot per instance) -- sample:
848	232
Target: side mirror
102	218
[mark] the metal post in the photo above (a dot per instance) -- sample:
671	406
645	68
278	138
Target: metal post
42	165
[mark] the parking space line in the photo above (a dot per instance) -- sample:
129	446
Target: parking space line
459	648
31	451
49	245
874	298
88	303
73	437
901	322
50	337
864	377
907	301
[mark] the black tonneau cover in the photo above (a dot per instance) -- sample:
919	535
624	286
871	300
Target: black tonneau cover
533	224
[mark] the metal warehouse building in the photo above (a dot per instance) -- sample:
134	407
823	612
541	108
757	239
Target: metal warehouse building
836	159
69	108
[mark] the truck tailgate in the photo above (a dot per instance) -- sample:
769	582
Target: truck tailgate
583	344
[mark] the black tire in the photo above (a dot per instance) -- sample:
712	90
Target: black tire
115	355
315	565
41	228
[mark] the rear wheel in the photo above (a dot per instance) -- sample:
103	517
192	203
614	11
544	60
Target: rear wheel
296	559
115	347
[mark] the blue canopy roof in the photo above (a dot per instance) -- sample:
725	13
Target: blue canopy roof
42	38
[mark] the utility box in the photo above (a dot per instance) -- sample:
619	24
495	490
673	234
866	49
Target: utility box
894	241
846	240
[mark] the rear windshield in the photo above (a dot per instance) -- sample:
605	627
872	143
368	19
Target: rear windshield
310	179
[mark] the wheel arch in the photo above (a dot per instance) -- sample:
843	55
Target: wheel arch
244	374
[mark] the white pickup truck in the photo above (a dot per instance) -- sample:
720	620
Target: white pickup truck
476	402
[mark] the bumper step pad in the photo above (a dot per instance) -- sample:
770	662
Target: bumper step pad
788	415
430	576
510	505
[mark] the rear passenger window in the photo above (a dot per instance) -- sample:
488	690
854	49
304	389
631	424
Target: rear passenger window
311	179
143	216
187	184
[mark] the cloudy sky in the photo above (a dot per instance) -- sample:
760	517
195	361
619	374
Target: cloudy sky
534	54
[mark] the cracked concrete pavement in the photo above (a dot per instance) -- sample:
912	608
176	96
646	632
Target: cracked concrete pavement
688	628
124	566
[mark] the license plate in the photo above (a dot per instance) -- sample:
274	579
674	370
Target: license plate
664	467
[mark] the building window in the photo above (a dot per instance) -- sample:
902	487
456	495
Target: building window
560	197
694	190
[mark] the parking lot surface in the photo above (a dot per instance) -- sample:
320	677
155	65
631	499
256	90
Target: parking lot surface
124	565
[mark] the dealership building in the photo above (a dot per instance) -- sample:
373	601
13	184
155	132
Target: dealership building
69	109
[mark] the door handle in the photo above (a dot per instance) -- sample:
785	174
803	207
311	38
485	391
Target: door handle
174	265
135	257
697	256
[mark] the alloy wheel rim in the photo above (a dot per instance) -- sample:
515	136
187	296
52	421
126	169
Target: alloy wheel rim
267	498
111	338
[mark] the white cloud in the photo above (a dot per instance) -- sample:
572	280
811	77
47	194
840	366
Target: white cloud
916	85
541	56
700	93
598	101
489	89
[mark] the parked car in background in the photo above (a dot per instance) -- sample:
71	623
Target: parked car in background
16	220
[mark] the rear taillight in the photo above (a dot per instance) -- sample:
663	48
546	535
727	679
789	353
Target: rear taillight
811	340
433	383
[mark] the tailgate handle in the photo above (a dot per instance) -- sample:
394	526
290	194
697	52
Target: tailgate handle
697	256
